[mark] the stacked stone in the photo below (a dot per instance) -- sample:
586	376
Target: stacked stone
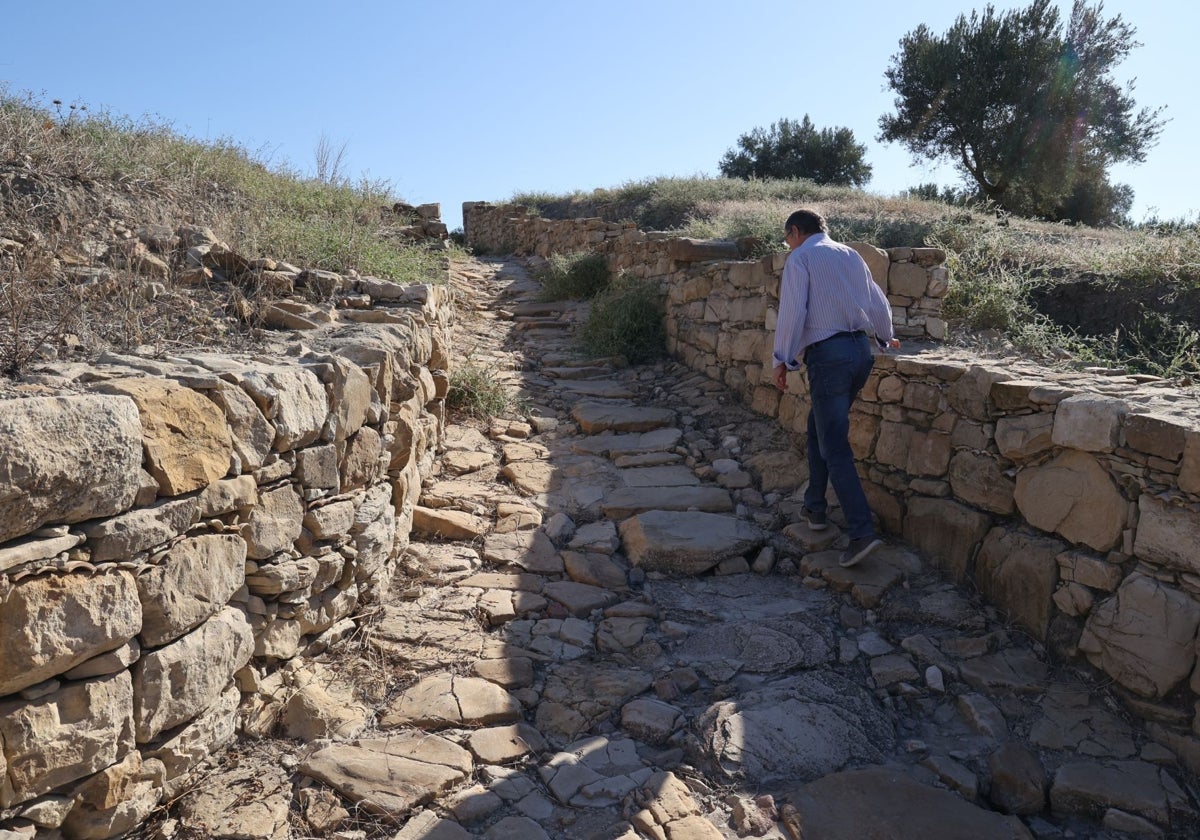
1071	500
914	279
174	533
424	223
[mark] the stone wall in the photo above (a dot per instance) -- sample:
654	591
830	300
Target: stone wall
914	279
172	531
1071	500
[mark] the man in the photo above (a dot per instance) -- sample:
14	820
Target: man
827	305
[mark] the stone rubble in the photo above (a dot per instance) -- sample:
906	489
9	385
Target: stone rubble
655	646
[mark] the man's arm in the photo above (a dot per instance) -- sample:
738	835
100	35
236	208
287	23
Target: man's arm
793	309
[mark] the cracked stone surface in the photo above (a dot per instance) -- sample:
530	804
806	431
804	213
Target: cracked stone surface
613	624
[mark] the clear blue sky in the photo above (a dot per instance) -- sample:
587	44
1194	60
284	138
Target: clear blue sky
458	100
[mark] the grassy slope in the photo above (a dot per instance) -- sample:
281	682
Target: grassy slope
1124	297
74	181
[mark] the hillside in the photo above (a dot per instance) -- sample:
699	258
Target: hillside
118	234
1119	297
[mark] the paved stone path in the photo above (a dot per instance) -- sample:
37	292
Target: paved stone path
610	625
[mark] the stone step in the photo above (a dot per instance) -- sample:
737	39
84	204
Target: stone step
659	476
630	501
688	542
543	307
577	372
599	388
615	446
596	417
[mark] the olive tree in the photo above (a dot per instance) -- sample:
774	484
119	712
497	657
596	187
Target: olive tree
1026	108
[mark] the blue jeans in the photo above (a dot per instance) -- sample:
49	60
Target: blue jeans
837	370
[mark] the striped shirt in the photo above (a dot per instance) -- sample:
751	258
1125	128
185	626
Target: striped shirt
827	289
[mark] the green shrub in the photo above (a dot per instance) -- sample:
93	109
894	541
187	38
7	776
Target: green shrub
576	276
627	320
476	391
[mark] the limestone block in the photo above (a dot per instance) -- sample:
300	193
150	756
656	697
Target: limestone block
1094	572
968	395
252	433
174	683
51	623
123	536
280	639
228	495
1014	395
863	429
186	442
111	662
1074	496
391	776
317	467
1089	422
330	521
877	261
293	399
116	800
701	250
1167	535
360	465
928	453
349	397
1155	435
1019	573
977	479
885	505
1074	599
66	459
378	364
908	279
193	582
893	444
1144	636
1024	436
286	574
939	282
275	523
400	436
74	732
947	531
686	542
922	397
746	345
1189	468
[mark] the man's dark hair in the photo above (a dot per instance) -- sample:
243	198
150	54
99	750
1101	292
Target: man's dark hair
807	222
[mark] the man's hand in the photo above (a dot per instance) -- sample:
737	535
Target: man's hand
781	376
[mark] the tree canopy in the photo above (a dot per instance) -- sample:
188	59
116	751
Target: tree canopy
797	149
1025	108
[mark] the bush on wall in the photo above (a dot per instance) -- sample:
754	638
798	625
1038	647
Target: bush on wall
627	320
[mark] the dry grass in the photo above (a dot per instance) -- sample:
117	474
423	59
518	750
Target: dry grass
1115	296
75	180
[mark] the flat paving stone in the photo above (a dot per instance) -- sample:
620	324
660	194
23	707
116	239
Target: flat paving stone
630	501
598	388
664	476
616	446
886	804
596	417
688	542
391	776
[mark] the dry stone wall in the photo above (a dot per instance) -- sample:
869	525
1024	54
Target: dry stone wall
1070	499
172	531
914	279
